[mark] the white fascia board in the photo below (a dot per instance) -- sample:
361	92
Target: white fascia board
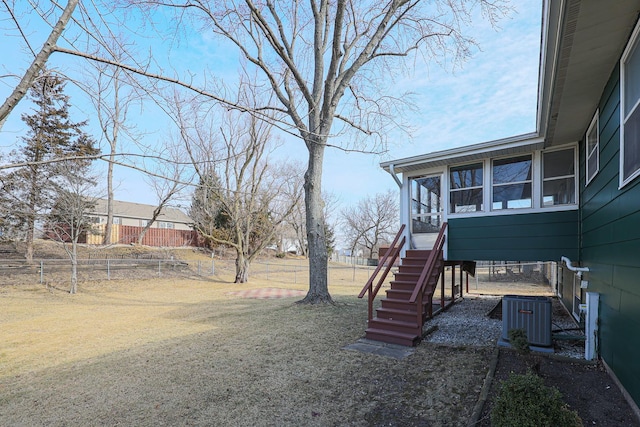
481	150
552	13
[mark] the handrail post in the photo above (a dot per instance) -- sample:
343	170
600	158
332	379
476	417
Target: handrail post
419	312
389	259
370	298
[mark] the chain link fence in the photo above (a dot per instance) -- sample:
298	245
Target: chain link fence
51	271
58	271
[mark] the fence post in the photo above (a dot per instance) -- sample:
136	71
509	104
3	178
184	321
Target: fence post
159	272
199	268
41	272
213	267
108	269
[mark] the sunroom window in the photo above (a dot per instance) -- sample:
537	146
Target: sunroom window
426	209
593	149
630	84
512	183
558	178
466	188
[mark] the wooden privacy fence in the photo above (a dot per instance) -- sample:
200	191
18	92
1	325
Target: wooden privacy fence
128	234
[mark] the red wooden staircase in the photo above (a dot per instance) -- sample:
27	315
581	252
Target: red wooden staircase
408	302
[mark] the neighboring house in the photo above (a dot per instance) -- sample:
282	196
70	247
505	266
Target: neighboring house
171	228
571	189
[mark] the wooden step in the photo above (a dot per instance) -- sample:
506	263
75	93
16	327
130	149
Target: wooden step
408	268
401	294
396	314
414	261
407	276
392	337
405	285
396	325
418	253
398	304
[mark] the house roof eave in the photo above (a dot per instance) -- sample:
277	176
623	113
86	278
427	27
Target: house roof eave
574	68
508	146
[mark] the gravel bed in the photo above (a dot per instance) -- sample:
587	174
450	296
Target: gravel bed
467	323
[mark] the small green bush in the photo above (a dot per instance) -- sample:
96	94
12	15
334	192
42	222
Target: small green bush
524	401
519	340
280	255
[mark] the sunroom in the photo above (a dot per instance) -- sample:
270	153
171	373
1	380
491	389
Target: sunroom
511	199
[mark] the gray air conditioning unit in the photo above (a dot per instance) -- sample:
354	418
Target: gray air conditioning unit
531	313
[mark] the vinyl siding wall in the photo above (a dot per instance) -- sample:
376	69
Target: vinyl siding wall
611	246
544	236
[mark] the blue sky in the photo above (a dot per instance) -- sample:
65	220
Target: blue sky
491	96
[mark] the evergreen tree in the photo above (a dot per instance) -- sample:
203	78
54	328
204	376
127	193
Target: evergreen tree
52	136
207	211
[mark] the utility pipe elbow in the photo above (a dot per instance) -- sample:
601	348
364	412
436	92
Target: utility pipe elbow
570	266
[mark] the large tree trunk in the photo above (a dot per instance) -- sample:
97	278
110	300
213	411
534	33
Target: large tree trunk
318	257
242	268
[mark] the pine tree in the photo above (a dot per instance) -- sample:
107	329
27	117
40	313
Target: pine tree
52	137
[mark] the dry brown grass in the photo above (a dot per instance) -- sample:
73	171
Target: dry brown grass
178	351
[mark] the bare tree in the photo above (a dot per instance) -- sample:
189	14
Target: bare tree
68	220
238	202
112	98
327	66
168	182
325	61
292	230
372	222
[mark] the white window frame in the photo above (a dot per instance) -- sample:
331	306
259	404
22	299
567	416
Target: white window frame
594	125
546	179
531	181
631	46
476	187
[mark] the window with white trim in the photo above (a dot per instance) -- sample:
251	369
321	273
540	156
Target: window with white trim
630	111
465	194
592	142
512	183
558	177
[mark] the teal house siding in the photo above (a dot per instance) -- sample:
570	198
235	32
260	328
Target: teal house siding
611	246
544	236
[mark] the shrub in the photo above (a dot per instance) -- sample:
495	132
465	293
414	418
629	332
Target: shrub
280	255
524	401
519	340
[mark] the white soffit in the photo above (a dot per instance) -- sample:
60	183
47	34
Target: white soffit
593	35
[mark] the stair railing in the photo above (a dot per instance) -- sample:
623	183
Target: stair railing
388	259
434	256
